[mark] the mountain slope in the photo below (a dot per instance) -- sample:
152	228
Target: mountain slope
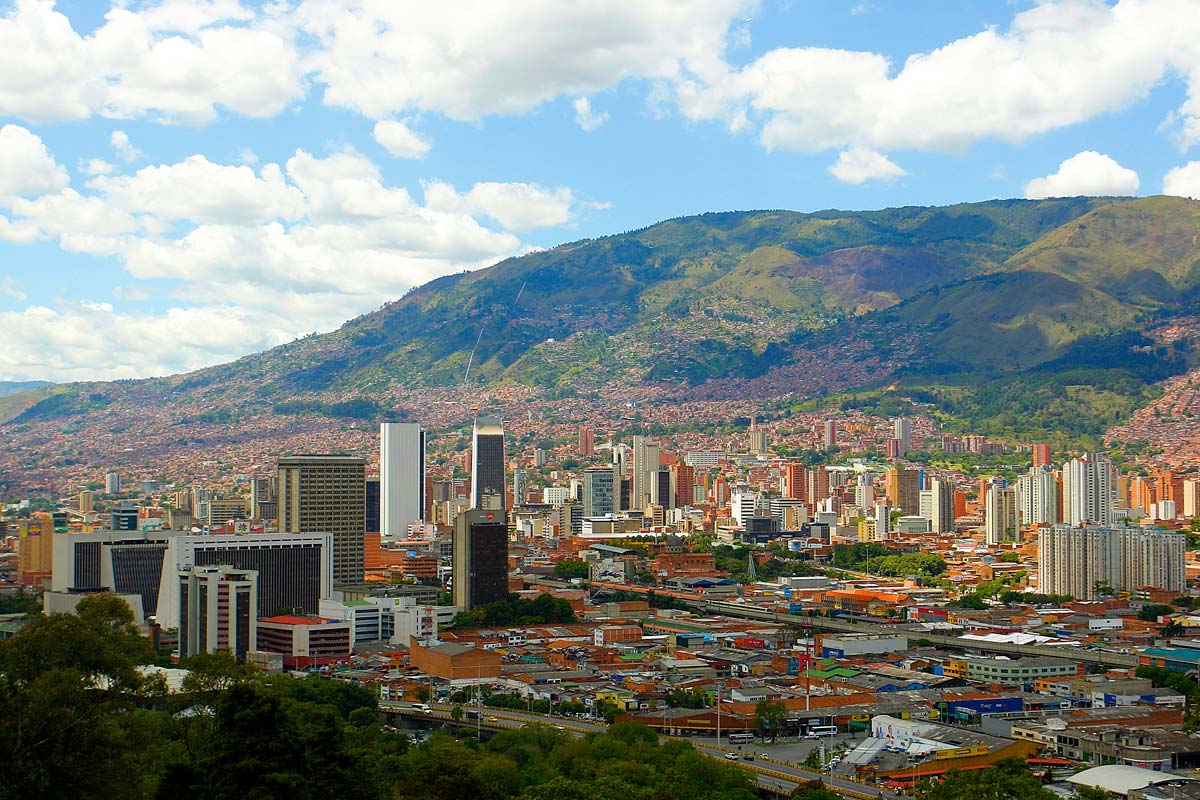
754	303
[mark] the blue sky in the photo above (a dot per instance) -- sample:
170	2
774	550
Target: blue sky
182	183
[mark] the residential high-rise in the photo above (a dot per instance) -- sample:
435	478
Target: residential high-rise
830	438
1078	561
902	430
327	494
1037	497
1191	498
758	438
480	558
87	501
218	610
587	441
864	493
743	503
1089	490
683	478
487	463
793	481
816	485
401	477
903	489
1041	455
112	482
599	491
520	484
1000	515
264	496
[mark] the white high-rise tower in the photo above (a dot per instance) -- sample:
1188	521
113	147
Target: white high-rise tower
401	477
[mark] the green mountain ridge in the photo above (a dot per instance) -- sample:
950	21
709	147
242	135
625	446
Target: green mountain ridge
971	292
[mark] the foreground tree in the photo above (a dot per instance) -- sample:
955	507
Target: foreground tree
1010	779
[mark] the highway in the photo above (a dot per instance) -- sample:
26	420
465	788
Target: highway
771	773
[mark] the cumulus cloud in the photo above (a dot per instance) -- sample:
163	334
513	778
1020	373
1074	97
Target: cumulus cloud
1183	181
1085	173
399	139
859	165
299	247
26	167
123	147
585	117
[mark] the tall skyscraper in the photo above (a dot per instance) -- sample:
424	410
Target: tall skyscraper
372	519
743	504
112	482
1041	455
218	610
816	485
1037	497
264	496
587	441
793	481
758	438
902	430
480	558
1000	515
864	493
487	462
599	491
1076	561
520	483
903	489
683	478
1089	490
941	512
645	461
401	477
327	494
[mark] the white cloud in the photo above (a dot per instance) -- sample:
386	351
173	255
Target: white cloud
96	166
585	117
1183	181
399	139
859	165
1057	64
9	288
476	57
203	192
1085	173
123	147
26	167
176	62
516	206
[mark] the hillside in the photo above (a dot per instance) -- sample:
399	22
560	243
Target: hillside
749	304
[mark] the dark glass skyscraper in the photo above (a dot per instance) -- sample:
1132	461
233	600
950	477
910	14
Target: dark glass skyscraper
487	467
480	558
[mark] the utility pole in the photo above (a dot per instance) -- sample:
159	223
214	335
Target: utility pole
720	686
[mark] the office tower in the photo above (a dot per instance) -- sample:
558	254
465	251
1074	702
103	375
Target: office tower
816	485
903	487
1041	456
218	610
743	504
123	562
683	478
830	439
702	459
487	465
327	494
758	438
941	506
372	519
864	492
401	477
902	431
87	501
556	495
881	513
1076	561
1089	490
264	496
793	481
123	517
645	461
587	441
539	457
35	547
480	558
789	513
112	482
293	571
570	518
1165	510
520	487
1037	497
599	492
1000	515
661	493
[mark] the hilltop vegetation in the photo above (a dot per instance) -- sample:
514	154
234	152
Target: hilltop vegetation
1011	317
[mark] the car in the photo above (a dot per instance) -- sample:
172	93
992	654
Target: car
424	709
764	755
732	756
748	756
492	719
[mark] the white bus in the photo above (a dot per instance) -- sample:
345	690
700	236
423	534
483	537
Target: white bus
737	738
817	731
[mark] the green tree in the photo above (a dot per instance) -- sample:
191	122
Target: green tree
566	570
1009	779
1152	611
769	715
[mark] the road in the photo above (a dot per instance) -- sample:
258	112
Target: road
772	773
